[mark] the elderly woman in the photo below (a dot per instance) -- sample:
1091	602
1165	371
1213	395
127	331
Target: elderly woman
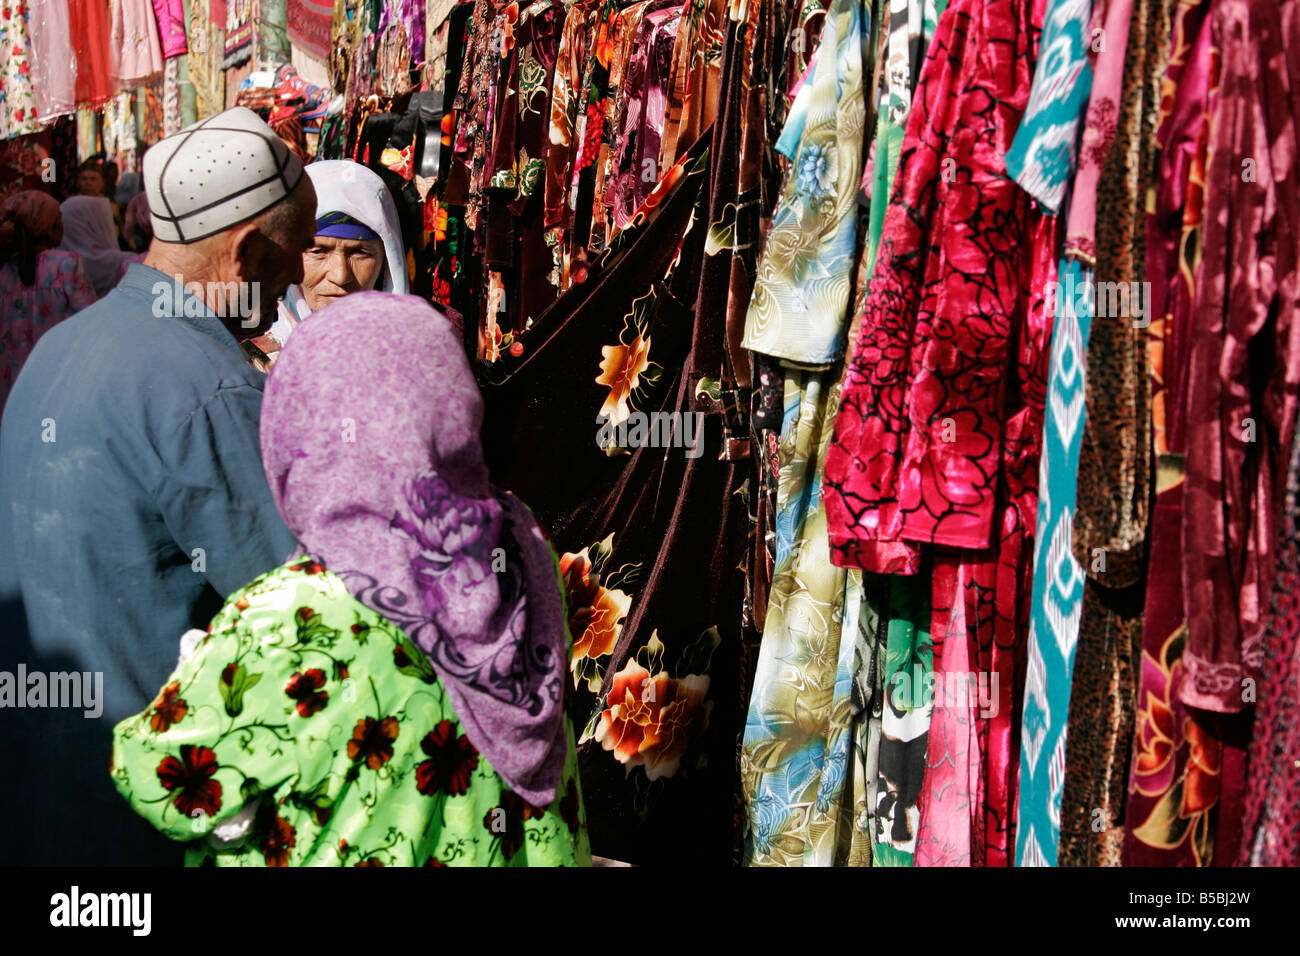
392	695
40	286
89	231
358	248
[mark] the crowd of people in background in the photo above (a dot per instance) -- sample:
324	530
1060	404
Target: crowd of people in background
58	258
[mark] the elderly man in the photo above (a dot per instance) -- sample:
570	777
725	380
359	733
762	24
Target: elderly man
132	496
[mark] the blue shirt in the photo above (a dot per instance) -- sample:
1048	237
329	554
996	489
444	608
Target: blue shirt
132	500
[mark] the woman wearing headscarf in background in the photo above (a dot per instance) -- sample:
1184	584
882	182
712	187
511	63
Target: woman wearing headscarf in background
137	227
40	286
128	187
393	693
89	231
358	248
129	191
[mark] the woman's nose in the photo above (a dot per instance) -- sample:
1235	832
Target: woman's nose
340	270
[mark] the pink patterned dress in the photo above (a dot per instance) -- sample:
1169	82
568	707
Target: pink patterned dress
61	289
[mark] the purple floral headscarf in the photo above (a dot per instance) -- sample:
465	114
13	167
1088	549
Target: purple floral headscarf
370	440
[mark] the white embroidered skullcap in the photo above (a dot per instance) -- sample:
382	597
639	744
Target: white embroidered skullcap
216	174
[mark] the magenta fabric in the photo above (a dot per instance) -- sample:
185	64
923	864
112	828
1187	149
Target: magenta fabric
370	441
171	27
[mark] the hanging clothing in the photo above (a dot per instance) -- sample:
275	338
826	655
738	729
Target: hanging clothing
18	99
1271	824
801	293
943	449
1042	160
808	772
170	18
134	46
1247	306
203	61
88	25
53	63
638	526
1270	834
1178	767
171	98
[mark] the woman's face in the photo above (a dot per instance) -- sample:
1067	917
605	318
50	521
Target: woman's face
334	267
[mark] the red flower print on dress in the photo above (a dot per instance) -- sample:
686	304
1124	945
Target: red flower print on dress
168	709
372	741
506	820
305	688
278	842
401	658
451	764
191	777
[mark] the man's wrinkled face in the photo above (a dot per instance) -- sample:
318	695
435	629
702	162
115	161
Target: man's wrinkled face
275	258
334	267
290	248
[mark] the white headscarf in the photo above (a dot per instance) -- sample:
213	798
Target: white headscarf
351	188
89	231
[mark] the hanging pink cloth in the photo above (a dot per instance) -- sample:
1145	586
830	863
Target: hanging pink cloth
133	43
171	27
54	64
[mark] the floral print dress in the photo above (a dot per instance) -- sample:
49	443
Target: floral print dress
62	288
309	731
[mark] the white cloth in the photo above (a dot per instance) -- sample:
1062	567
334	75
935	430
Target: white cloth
213	175
89	231
355	190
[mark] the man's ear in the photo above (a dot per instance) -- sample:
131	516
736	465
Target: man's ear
245	248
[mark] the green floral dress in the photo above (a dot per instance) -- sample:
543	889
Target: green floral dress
307	730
